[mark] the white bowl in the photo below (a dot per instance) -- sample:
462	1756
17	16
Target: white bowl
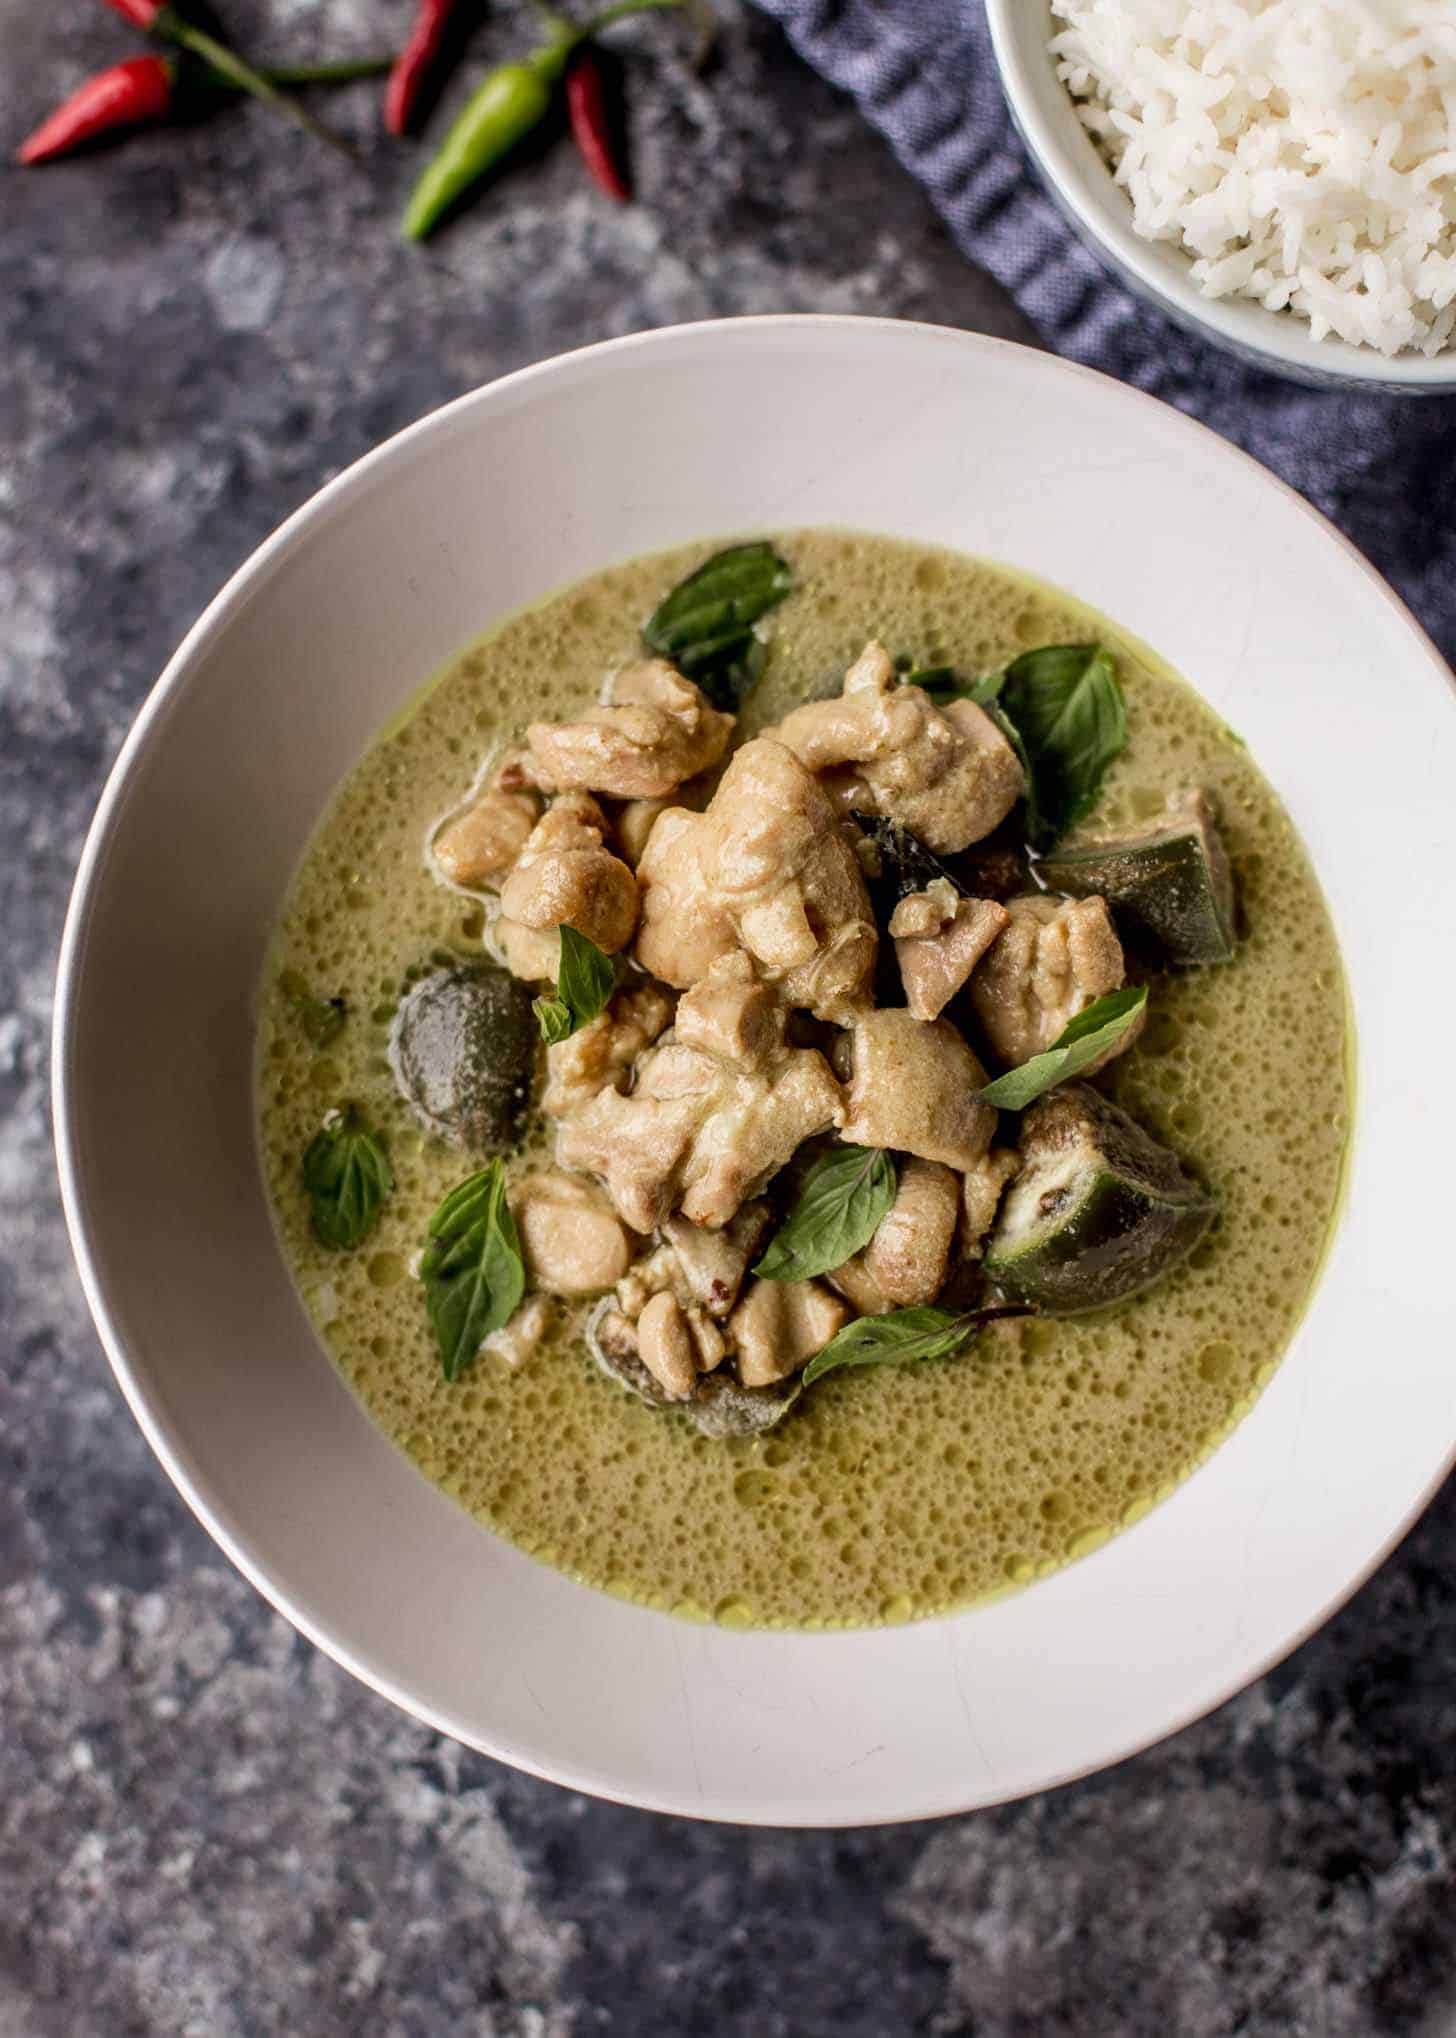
756	424
1101	213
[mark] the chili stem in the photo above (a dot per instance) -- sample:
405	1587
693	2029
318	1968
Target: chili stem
246	79
568	36
329	74
552	58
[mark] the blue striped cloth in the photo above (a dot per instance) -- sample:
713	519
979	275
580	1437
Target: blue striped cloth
1383	468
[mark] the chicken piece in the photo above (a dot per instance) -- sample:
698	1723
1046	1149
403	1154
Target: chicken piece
939	938
1045	967
858	1287
981	1190
635	821
918	916
599	1055
757	1124
731	1014
655	730
565	875
485	840
712	1264
656	1273
683	929
710	1341
514	1341
517	773
848	795
792	881
572	1240
634	824
665	1346
704	1269
947	773
698	1133
526	954
914	1089
637	1145
767	869
674	1340
905	1262
779	1325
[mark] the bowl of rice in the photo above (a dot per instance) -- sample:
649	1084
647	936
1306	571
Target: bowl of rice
1279	175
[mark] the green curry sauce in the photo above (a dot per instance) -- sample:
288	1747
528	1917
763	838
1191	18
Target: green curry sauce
896	1491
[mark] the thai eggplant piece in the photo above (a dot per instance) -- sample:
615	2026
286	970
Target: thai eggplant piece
462	1049
794	960
1170	889
1098	1211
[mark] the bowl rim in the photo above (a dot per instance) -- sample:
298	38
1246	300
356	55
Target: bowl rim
82	1223
1098	211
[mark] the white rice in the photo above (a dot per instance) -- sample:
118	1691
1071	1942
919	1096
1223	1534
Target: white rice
1303	152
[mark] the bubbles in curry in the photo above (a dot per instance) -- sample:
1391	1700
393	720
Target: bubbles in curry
817	1110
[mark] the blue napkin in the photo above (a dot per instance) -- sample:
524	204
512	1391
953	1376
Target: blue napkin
1383	468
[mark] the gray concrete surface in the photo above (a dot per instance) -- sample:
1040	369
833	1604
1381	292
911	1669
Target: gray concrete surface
205	1828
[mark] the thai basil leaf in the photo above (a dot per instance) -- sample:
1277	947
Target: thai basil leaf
902	1334
705	625
322	1019
585	979
554	1019
1067	709
1082	1041
471	1267
347	1175
838	1210
586	976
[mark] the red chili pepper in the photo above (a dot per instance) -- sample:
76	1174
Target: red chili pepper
127	94
591	126
163	22
140	13
414	63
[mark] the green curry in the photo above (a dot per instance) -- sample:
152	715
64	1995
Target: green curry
889	1491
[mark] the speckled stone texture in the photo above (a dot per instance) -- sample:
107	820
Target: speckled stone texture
206	1828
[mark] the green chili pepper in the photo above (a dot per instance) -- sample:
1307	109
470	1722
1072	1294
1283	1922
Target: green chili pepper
508	102
506	105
